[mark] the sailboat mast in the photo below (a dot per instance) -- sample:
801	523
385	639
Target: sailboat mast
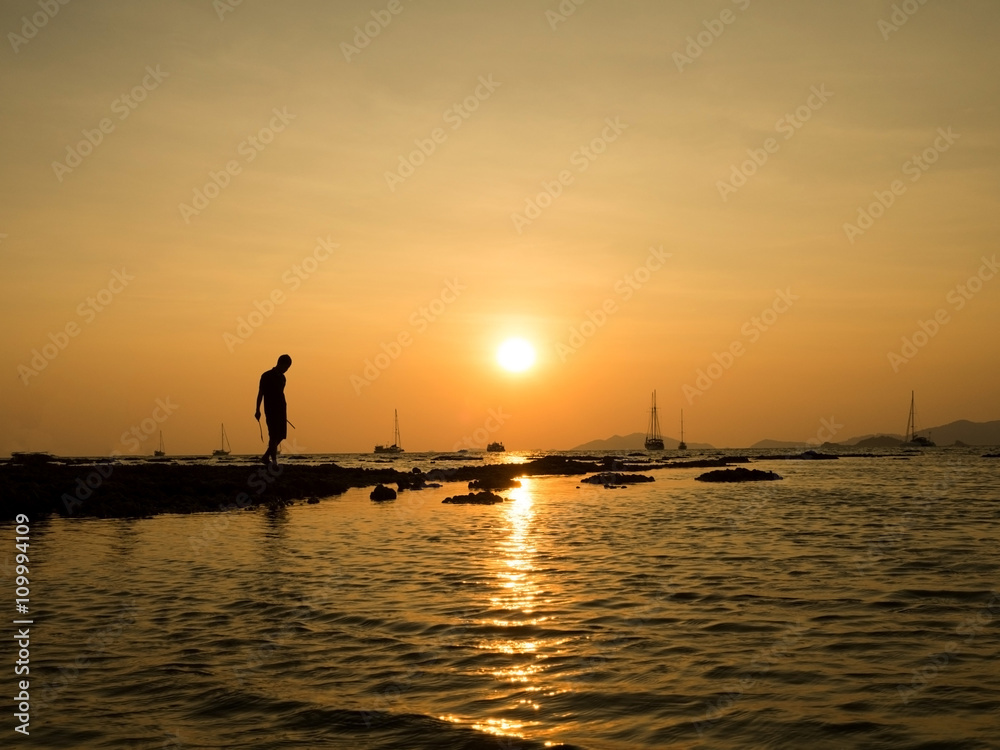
911	426
654	420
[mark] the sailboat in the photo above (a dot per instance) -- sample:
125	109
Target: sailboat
159	451
395	447
654	440
912	438
224	448
682	446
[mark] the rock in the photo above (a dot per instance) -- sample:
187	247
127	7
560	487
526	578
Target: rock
494	483
26	458
809	455
738	475
381	493
991	455
414	480
474	498
707	463
313	501
611	478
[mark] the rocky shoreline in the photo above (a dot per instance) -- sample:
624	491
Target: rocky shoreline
131	490
41	485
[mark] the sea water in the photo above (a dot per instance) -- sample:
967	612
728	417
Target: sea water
855	603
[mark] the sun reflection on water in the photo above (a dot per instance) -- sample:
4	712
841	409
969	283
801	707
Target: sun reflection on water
515	600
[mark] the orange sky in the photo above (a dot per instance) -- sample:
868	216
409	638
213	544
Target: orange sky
417	167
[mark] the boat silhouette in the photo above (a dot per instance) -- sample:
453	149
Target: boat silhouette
912	438
395	447
654	440
224	448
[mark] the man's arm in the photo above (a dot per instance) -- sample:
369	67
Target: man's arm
260	397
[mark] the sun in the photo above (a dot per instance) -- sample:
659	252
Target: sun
516	355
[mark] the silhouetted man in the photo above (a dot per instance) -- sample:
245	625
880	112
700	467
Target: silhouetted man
272	392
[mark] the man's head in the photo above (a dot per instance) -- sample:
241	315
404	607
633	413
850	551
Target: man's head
284	362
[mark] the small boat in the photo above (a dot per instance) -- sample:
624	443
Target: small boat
495	448
912	438
159	451
682	446
395	447
224	448
654	440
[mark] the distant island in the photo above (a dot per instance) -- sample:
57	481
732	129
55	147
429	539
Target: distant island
961	433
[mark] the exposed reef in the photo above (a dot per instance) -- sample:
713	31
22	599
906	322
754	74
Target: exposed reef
494	483
610	479
738	475
806	456
45	485
474	498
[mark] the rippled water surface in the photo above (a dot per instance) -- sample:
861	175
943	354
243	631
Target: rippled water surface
850	605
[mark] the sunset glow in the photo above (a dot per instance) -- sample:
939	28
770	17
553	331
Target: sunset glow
632	188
